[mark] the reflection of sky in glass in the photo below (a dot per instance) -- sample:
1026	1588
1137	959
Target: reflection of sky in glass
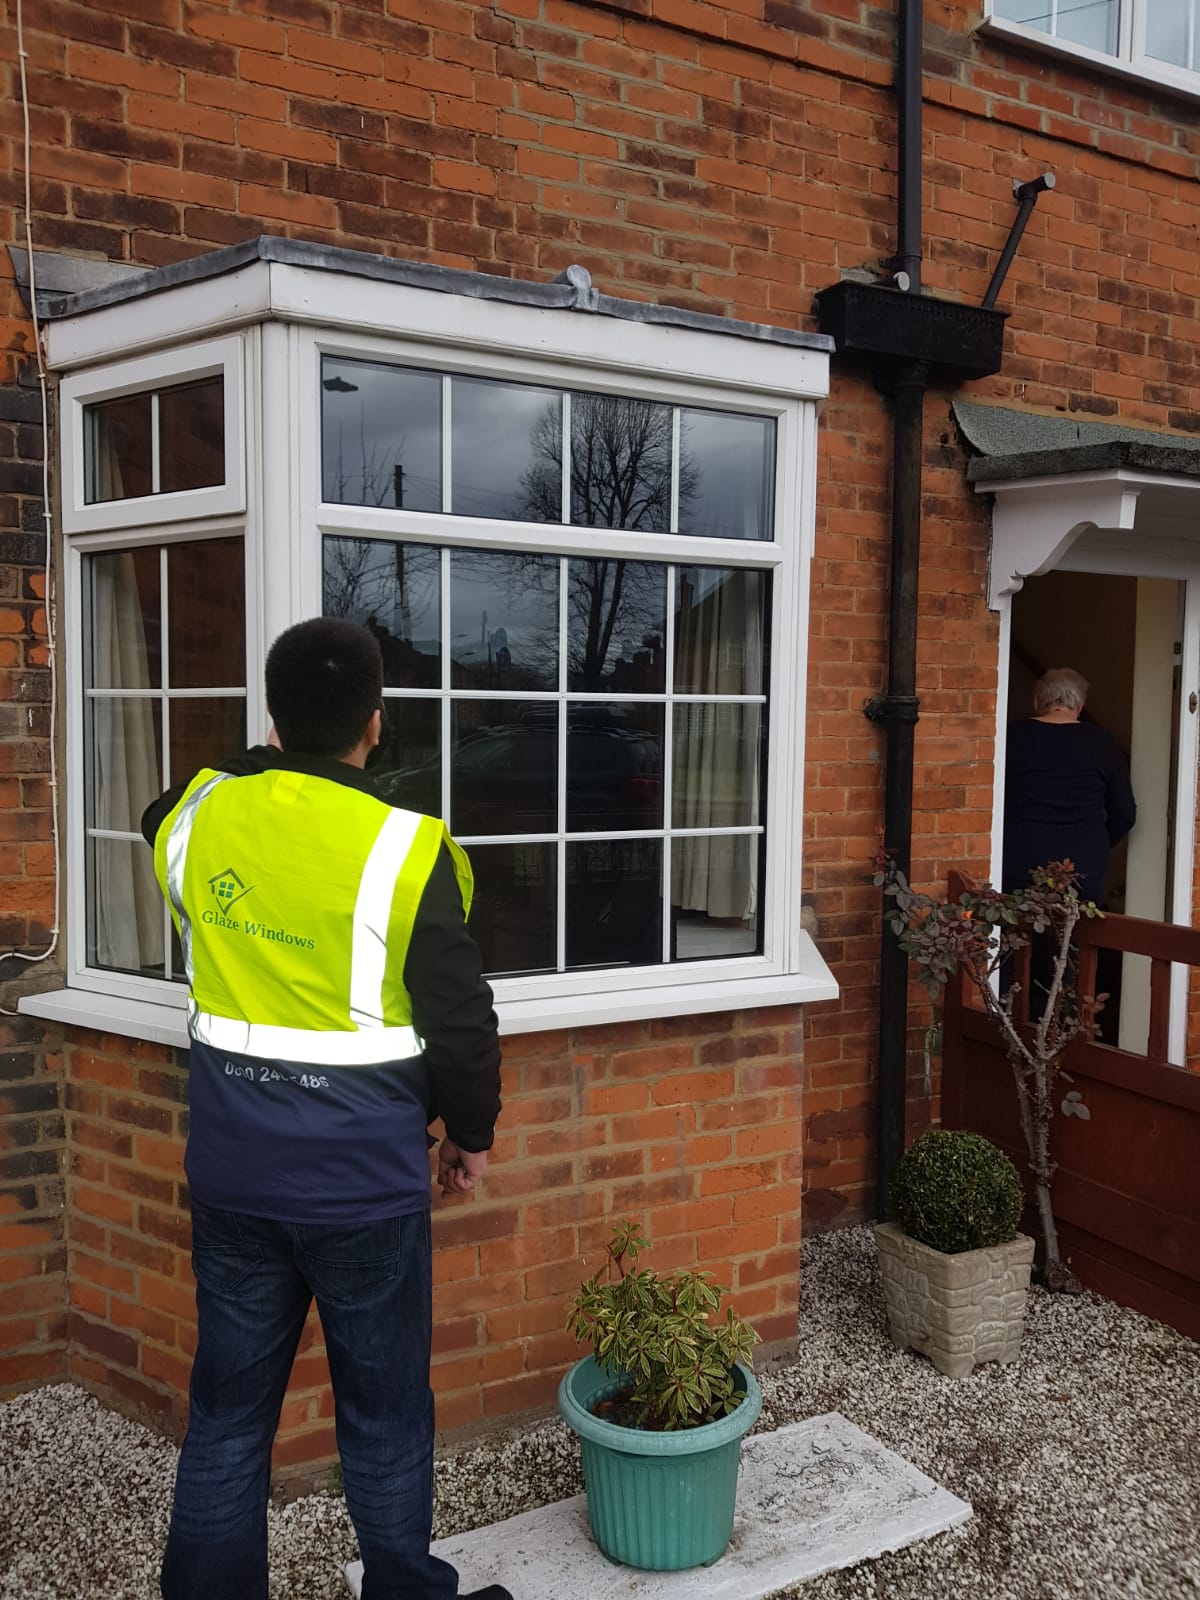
726	470
381	435
393	589
503	620
616	626
1167	34
506	451
1088	22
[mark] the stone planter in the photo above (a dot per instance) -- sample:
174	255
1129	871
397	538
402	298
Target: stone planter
958	1310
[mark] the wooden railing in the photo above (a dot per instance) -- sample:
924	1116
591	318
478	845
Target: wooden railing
1127	1190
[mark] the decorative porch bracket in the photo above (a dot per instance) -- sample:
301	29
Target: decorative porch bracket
1035	521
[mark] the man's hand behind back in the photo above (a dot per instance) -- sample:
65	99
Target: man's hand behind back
459	1170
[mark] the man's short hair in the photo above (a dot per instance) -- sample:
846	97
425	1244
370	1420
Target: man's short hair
1061	686
324	679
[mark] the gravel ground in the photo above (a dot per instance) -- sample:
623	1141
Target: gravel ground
1082	1464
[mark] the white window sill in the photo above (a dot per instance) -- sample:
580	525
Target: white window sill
165	1024
1175	79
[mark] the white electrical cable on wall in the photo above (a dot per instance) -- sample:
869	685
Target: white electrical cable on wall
46	515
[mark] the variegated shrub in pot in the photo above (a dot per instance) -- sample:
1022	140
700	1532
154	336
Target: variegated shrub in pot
660	1407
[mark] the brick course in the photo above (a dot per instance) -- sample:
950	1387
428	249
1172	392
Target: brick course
716	1172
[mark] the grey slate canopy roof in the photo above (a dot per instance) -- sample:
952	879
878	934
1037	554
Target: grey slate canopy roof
1020	444
571	291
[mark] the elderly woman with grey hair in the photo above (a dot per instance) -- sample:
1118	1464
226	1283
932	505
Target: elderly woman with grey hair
1066	791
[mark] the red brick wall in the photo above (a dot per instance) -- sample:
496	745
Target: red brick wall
693	1127
732	157
33	1256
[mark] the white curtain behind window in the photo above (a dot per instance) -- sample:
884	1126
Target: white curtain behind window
716	772
127	916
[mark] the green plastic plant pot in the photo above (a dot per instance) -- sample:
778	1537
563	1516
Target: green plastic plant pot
658	1501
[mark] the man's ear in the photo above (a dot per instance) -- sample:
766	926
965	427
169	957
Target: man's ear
375	727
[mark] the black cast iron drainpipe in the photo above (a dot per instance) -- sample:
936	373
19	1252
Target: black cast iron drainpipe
907	336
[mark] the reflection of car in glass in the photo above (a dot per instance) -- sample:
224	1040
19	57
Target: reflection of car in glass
504	778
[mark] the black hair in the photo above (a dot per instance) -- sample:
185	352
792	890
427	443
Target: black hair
324	680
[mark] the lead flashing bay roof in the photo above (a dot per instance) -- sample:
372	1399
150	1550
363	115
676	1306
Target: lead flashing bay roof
571	291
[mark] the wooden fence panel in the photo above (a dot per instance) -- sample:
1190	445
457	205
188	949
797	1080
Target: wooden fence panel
1127	1189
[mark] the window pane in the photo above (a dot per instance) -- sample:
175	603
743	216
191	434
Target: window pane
1087	22
117	455
504	767
1173	33
204	732
503	620
620	463
124	620
506	451
395	590
614	903
720	631
616	627
614	767
191	435
407	762
125	909
124	760
381	435
726	475
717	762
206	614
714	897
513	914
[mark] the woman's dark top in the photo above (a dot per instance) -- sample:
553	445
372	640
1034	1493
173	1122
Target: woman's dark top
1066	796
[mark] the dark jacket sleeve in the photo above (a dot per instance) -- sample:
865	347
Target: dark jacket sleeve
452	1012
1120	808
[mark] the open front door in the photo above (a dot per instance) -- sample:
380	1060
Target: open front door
1136	638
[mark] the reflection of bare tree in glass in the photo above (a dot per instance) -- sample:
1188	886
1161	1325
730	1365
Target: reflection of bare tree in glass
620	478
383	586
620	465
625	600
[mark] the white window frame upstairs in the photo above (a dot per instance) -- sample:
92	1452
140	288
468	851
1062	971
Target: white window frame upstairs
150	374
1130	60
272	496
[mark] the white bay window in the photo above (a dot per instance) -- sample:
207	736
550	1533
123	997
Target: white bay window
582	542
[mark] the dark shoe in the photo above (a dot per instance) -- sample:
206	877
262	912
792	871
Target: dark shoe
494	1591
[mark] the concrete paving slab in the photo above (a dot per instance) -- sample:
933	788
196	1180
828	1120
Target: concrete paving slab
813	1496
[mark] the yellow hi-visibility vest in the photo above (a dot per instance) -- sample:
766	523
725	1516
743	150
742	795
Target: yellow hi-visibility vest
294	898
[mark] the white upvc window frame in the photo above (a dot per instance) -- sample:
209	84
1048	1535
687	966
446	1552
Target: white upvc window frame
151	374
1130	60
714	983
283	519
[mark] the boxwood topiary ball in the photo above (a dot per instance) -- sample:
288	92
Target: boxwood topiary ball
955	1191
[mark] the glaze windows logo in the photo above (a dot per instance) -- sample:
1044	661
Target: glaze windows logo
227	889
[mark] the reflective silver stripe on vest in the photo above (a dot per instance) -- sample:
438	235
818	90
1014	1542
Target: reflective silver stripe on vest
365	1048
372	913
176	853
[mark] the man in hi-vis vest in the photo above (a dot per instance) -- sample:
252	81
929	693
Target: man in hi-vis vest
336	1006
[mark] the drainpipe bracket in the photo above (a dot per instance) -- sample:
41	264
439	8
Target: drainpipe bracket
893	709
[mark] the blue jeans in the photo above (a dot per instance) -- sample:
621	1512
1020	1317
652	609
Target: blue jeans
255	1280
